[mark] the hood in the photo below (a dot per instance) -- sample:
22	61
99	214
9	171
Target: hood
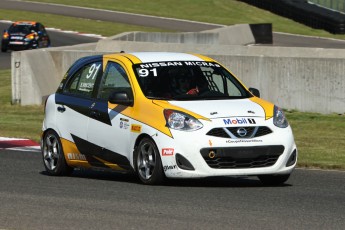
227	108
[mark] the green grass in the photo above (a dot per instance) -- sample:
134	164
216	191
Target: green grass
15	120
226	12
320	139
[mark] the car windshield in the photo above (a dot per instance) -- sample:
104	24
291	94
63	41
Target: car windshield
20	29
188	80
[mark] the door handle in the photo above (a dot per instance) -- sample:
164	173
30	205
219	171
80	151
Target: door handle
61	109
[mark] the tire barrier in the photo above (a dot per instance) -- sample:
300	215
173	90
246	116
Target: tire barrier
303	12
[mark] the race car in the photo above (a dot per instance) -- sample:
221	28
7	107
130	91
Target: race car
22	35
164	115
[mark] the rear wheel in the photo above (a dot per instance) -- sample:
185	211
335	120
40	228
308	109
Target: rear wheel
274	179
147	162
3	49
53	156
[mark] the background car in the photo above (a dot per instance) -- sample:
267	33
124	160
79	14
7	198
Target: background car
161	114
23	35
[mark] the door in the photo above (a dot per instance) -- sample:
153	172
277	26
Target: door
108	128
74	103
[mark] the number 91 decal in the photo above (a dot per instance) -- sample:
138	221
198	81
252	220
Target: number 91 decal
146	72
93	71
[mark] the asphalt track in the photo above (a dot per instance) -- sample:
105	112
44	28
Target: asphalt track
30	199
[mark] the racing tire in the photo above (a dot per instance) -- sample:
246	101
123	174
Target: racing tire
53	157
4	50
274	180
147	162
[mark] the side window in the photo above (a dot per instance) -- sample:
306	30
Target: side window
114	79
40	28
83	81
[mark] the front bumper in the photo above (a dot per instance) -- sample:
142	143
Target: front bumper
19	45
199	155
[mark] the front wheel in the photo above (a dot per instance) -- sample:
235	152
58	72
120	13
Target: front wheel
274	179
147	162
53	156
3	49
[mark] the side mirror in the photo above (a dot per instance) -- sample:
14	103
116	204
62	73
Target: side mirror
255	92
121	98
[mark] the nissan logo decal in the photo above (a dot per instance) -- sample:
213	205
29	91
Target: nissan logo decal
242	132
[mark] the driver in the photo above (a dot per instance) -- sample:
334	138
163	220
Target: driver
182	82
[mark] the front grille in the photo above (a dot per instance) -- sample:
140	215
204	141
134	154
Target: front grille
242	157
232	132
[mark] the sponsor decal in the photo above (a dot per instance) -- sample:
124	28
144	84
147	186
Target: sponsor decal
150	69
239	121
242	141
169	167
76	156
136	128
124	123
167	152
201	63
17	37
86	87
16	43
178	63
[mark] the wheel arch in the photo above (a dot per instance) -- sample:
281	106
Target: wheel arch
136	144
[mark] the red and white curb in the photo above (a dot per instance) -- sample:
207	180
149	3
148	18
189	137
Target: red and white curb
19	144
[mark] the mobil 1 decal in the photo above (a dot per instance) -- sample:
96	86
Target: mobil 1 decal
239	121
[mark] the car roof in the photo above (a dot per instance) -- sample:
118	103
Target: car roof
165	56
24	23
144	57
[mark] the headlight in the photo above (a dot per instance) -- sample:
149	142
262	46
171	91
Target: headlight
5	35
181	121
30	37
279	118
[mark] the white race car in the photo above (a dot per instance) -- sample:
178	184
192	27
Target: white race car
164	115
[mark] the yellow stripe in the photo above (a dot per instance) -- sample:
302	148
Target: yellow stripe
205	58
267	106
110	165
70	147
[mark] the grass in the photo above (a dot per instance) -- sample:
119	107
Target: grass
15	120
226	12
320	139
